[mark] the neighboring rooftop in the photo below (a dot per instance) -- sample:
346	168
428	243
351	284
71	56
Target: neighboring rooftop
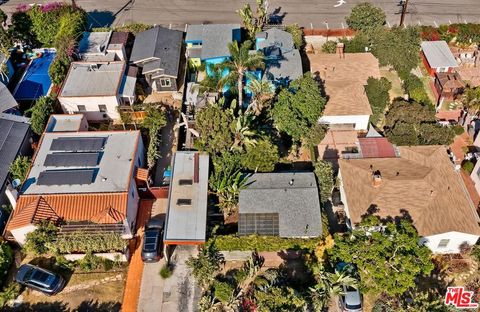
214	38
345	80
94	42
67	123
376	148
421	183
187	204
82	162
450	80
438	54
159	43
285	203
275	37
13	132
6	99
93	79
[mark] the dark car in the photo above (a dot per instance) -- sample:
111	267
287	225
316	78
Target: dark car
39	279
152	241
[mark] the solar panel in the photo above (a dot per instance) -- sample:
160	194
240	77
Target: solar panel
258	223
77	144
72	159
66	177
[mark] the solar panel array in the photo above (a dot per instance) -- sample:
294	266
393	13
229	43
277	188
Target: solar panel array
62	177
258	223
86	144
72	159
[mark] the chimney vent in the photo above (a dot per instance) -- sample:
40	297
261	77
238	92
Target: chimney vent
291	182
376	178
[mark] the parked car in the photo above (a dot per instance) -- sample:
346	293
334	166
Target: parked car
152	241
39	279
351	301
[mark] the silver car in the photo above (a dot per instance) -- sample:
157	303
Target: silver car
351	301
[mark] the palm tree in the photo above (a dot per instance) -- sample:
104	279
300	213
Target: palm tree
240	60
262	91
330	285
244	134
227	186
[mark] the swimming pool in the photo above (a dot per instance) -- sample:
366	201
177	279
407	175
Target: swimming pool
35	81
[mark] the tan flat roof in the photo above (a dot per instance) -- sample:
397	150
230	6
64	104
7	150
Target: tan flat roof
345	79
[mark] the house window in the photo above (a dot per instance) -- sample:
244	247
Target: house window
443	243
102	108
165	82
81	108
184	202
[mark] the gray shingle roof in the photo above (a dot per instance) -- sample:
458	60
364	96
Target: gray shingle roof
13	131
161	43
298	205
93	79
6	99
289	66
214	38
276	37
438	54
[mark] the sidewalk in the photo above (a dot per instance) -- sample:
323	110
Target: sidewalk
135	269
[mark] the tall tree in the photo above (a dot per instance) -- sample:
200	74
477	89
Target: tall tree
240	61
206	265
378	96
299	107
262	92
254	23
389	260
216	127
365	17
262	157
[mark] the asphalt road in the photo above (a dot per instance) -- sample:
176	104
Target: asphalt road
308	13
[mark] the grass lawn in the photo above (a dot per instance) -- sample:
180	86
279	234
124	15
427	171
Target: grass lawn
392	76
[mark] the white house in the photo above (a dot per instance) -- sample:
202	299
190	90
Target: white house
97	89
75	180
344	77
422	185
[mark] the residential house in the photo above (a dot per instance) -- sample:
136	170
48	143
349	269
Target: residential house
98	89
75	182
448	86
469	64
421	185
186	219
15	140
283	62
158	52
8	104
209	43
437	57
284	204
103	46
344	77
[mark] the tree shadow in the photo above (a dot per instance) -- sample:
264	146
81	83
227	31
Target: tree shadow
56	306
91	305
100	19
331	155
276	17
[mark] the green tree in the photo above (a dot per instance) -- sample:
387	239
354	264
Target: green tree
389	261
21	29
223	291
19	168
211	82
262	92
216	128
471	99
40	112
314	136
324	173
398	47
240	61
435	134
154	121
262	157
254	23
227	186
378	96
6	259
244	134
206	265
39	242
413	86
279	299
3	17
59	68
297	35
298	108
330	47
329	285
10	292
366	16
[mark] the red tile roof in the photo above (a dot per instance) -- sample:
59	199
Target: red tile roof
376	148
105	208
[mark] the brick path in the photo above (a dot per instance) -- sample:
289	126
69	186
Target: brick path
135	269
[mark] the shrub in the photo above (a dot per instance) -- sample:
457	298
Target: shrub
357	44
223	291
134	28
19	168
468	166
263	243
107	264
39	242
324	173
261	157
378	96
297	34
83	242
166	271
476	252
458	129
59	68
40	112
329	47
10	292
413	86
90	262
6	259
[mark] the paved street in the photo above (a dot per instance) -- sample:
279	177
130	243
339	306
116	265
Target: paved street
308	13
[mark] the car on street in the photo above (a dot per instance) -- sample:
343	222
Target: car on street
39	279
152	241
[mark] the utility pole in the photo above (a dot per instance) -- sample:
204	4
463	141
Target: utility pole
404	4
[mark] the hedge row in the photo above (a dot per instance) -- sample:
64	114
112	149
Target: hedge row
263	243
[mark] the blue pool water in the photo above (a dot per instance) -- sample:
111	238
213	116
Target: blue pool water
36	82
